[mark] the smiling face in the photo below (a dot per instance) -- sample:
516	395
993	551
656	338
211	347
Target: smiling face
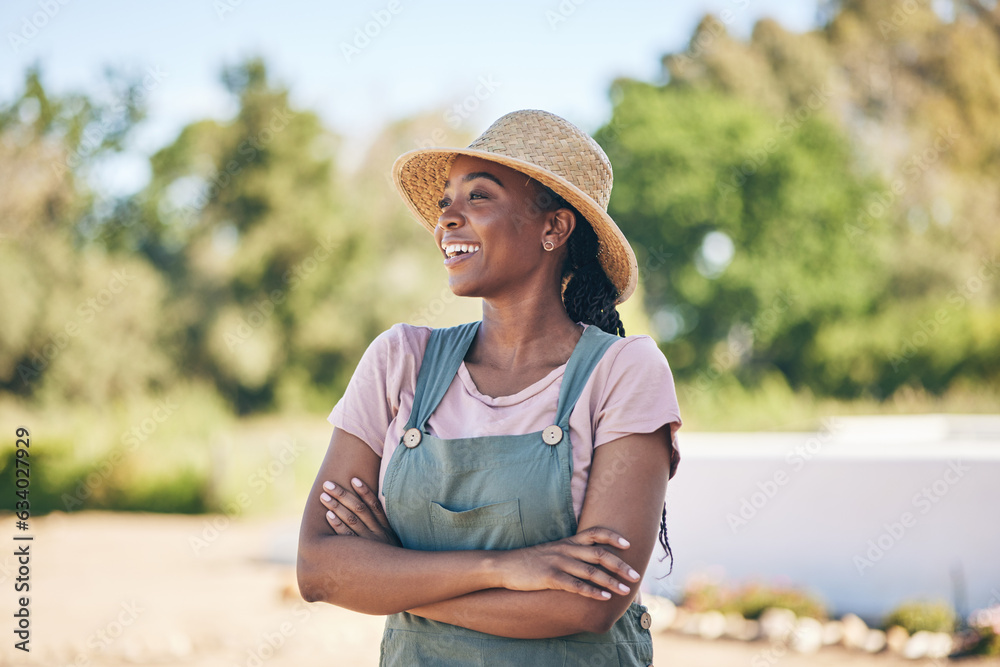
491	232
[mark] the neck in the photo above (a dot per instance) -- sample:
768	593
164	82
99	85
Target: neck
519	333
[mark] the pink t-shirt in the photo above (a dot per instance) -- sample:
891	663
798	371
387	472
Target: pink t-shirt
631	390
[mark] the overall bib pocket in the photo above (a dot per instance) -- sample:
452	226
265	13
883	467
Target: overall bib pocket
493	526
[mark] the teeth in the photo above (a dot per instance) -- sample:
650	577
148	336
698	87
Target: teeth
453	249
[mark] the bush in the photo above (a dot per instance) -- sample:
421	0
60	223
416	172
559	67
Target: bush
989	642
703	596
752	599
151	454
932	616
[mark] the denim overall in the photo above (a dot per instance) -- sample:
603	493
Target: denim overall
492	492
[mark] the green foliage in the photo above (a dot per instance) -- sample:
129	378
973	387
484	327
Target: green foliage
848	169
989	642
922	615
681	159
143	454
49	477
813	214
281	269
751	599
727	405
58	486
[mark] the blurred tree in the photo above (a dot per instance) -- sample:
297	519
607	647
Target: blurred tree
750	211
282	268
244	218
827	200
79	322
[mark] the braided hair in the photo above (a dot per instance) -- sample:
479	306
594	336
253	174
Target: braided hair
589	296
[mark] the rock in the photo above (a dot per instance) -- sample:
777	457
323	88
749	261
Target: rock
752	629
917	646
874	641
735	625
939	645
896	638
692	623
833	632
711	625
807	636
777	623
855	631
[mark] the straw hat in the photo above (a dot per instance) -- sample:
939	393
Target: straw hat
546	147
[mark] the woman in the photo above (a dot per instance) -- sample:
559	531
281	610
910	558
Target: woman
495	488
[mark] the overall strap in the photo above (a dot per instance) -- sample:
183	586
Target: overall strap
445	350
588	351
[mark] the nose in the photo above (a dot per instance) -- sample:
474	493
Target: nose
450	218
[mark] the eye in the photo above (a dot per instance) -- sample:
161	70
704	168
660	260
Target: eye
444	202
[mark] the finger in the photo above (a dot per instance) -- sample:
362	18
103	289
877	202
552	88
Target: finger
345	515
371	499
338	526
598	535
362	518
593	574
606	558
567	582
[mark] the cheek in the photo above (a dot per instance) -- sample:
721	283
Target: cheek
520	223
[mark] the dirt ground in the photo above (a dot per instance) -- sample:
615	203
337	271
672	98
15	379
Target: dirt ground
138	589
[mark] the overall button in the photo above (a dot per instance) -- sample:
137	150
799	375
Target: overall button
552	434
412	437
645	620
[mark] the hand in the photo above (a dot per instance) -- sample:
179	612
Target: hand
359	514
571	564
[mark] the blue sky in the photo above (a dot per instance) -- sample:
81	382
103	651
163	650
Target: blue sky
558	55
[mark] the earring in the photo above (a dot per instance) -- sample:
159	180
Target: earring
548	245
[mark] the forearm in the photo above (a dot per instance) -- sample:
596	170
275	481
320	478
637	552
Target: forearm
375	578
526	614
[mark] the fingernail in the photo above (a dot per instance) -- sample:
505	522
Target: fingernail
329	514
632	573
623	588
622	541
325	497
356	482
605	594
329	486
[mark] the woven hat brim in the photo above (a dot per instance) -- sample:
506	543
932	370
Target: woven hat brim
419	176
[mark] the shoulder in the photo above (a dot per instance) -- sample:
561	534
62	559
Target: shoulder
401	339
632	366
632	351
634	391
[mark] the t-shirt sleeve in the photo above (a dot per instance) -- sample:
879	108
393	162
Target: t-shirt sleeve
639	396
372	397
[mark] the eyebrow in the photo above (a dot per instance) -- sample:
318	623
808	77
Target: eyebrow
477	174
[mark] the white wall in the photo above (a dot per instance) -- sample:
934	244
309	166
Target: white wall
924	490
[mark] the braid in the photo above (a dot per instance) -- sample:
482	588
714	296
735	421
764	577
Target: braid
589	296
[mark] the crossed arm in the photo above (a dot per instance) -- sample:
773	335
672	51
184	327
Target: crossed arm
349	556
